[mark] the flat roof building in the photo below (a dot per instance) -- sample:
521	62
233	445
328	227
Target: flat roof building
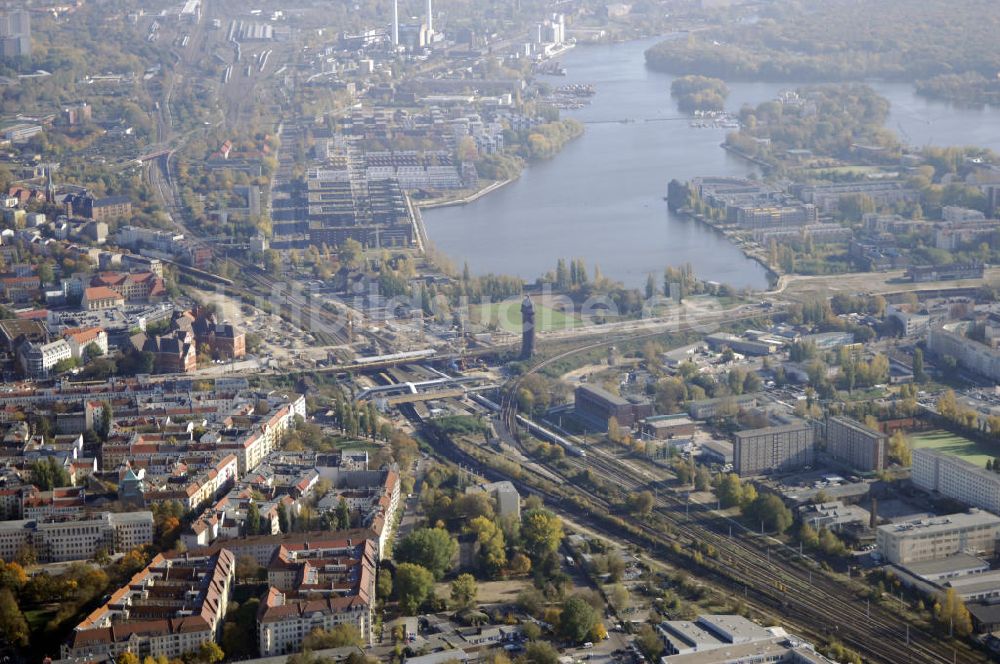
939	537
956	478
597	405
777	448
860	447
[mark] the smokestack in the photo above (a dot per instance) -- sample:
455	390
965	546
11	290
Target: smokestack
430	18
395	23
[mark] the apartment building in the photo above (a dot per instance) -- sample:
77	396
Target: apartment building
66	537
168	609
950	339
851	442
938	537
39	359
955	478
777	448
201	488
302	601
135	287
80	338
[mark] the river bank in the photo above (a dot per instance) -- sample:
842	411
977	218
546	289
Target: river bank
750	253
471	198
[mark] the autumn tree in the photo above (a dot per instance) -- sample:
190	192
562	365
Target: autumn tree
900	450
541	532
464	591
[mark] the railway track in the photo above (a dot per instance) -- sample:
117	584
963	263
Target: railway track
327	328
818	604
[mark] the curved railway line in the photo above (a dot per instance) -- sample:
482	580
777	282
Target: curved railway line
804	598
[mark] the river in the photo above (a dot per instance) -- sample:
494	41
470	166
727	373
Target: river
601	198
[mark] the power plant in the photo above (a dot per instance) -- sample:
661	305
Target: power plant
395	23
417	35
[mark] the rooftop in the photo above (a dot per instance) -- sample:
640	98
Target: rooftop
942	524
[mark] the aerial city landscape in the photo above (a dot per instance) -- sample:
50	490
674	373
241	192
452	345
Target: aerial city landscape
499	331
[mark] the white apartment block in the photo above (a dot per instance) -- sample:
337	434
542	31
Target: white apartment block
39	359
957	479
61	539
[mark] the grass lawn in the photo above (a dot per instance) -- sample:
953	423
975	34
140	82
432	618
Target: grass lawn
949	443
508	315
38	618
490	592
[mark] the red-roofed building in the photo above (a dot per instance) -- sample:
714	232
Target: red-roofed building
137	287
97	298
317	584
80	338
168	609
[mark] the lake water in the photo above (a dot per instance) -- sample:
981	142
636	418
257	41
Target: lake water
601	198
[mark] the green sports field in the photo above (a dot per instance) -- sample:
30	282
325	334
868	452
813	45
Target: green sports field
950	443
508	315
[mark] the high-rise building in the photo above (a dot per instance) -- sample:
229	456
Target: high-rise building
861	447
15	33
785	447
527	328
430	18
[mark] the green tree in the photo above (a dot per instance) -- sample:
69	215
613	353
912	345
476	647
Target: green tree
351	253
577	619
431	548
919	374
253	519
48	474
541	652
339	636
769	509
464	591
649	642
702	479
808	536
383	586
107	420
13	626
343	515
642	503
414	585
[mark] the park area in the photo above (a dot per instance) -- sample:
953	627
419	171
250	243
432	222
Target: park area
507	316
949	443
